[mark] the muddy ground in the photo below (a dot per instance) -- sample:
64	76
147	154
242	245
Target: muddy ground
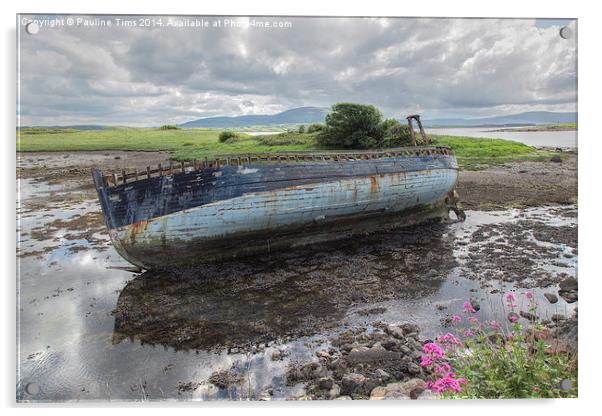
278	326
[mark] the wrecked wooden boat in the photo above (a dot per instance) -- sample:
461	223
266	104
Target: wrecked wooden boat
201	211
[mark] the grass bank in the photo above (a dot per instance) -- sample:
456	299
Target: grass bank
472	153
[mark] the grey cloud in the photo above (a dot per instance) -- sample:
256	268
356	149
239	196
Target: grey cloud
143	76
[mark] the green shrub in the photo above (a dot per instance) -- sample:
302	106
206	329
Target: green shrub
228	136
285	139
352	126
301	129
169	127
314	128
47	130
397	134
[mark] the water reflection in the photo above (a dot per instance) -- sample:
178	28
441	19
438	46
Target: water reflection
244	303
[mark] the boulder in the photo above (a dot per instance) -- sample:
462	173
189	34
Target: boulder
352	383
395	331
325	383
552	298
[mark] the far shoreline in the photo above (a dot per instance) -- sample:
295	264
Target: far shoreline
538	128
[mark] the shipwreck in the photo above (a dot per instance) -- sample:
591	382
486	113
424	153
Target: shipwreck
240	205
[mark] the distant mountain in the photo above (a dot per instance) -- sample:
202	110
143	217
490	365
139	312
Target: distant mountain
522	119
74	126
301	115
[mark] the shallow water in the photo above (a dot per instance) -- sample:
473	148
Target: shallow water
563	139
88	332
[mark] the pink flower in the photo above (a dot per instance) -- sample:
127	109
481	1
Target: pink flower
443	369
433	349
473	319
456	319
447	384
495	325
448	338
511	299
426	360
467	307
529	295
468	333
512	317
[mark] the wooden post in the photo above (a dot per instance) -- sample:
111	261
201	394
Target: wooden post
411	130
148	175
136	173
123	176
160	170
422	133
183	167
114	179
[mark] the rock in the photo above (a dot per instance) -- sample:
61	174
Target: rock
558	317
395	331
325	383
552	298
556	159
427	395
377	347
343	398
391	345
408	327
527	315
264	396
568	284
475	304
405	350
352	383
334	392
570	296
414	369
278	355
411	389
323	354
378	393
382	374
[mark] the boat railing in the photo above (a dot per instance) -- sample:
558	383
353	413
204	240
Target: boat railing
185	166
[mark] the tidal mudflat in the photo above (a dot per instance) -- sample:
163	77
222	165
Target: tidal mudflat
302	324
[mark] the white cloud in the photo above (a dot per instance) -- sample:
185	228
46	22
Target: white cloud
142	76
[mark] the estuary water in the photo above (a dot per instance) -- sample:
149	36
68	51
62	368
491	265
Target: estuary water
562	139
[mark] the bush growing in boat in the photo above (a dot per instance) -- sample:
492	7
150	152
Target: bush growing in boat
491	360
352	126
397	135
359	126
228	136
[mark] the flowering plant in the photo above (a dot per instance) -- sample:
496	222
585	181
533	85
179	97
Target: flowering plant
490	361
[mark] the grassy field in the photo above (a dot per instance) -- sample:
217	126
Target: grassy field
200	143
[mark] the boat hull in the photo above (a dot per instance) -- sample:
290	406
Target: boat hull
289	216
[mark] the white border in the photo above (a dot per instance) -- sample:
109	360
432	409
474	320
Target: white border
590	151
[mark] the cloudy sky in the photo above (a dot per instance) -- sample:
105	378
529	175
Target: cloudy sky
136	75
